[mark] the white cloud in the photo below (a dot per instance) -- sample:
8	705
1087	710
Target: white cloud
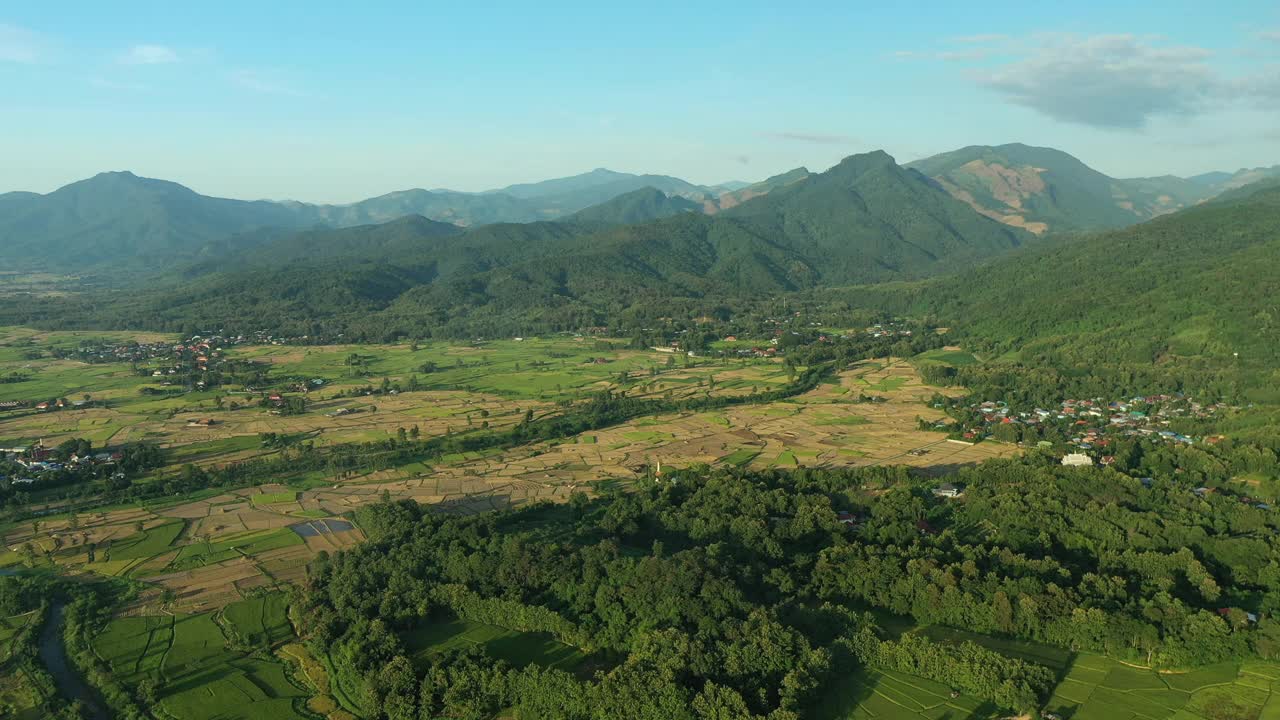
149	55
1110	81
20	45
1272	35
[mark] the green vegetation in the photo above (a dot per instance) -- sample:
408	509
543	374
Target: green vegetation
867	693
246	544
1170	304
260	620
630	577
549	277
1096	687
516	648
148	543
272	498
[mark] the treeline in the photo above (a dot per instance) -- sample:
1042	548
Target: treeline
982	673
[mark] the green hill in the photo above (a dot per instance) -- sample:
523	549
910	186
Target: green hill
119	219
1192	290
637	206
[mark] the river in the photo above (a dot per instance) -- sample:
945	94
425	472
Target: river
53	653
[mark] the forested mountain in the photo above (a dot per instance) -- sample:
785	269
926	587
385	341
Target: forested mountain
1042	189
647	203
118	219
121	222
1194	290
865	220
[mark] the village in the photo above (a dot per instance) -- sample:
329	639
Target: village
26	465
1088	426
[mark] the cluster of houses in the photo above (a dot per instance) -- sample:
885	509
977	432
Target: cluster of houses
883	330
27	463
199	351
1091	425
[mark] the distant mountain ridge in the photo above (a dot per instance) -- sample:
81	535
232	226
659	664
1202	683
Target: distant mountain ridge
120	221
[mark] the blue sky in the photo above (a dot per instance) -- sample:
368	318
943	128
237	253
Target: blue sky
338	101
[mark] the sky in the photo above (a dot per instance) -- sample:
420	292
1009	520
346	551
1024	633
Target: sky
335	102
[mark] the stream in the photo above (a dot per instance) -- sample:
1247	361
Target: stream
53	653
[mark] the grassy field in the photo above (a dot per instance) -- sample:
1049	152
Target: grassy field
517	648
232	546
1098	688
260	620
952	356
884	695
195	675
286	496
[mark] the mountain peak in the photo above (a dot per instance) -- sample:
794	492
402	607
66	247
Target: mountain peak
862	163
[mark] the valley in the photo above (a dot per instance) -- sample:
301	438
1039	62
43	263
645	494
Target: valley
989	434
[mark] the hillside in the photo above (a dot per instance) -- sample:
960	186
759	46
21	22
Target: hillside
1196	289
1043	190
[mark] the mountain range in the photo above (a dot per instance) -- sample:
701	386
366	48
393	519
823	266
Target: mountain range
865	220
118	223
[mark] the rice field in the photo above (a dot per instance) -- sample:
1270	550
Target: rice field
186	660
1099	688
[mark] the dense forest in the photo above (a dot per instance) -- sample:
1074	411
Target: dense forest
712	593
